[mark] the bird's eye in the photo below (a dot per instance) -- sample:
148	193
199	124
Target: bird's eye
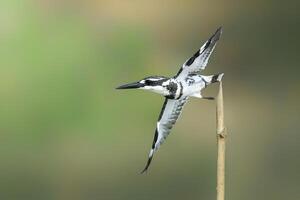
148	82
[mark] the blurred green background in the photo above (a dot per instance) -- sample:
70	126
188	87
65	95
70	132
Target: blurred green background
66	133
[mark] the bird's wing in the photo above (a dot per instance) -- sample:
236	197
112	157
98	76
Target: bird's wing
167	118
200	59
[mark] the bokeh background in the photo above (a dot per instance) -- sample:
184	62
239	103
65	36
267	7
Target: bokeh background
66	133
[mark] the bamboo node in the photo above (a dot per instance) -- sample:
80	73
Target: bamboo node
222	133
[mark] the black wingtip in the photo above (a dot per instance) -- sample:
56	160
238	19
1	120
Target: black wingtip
147	165
214	38
217	34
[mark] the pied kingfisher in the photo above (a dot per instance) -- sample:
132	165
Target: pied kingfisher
186	83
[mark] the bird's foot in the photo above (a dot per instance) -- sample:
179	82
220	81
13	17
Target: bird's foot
209	98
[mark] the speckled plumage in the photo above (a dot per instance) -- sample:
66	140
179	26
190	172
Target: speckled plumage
177	90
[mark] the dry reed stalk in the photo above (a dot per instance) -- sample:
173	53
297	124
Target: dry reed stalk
221	141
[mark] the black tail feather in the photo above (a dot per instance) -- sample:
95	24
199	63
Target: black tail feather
216	78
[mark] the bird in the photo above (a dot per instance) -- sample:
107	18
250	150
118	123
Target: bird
188	82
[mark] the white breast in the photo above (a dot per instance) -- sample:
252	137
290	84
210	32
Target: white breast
192	85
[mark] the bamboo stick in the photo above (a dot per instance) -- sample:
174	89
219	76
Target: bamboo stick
221	139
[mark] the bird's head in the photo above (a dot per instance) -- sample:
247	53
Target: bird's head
154	83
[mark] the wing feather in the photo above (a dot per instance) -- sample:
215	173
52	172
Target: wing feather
200	59
167	118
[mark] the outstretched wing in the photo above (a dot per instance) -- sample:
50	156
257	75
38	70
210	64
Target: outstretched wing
200	59
167	118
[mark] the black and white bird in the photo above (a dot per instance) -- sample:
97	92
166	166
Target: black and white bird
186	83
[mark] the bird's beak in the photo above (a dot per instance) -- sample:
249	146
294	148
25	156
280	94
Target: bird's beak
131	86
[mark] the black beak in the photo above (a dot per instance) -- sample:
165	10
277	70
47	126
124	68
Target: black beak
131	86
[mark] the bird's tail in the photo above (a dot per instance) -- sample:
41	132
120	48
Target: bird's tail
213	78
